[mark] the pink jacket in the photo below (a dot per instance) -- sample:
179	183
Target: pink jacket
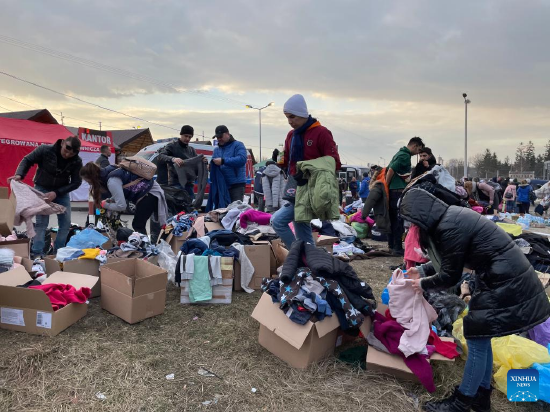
412	311
510	189
29	204
413	251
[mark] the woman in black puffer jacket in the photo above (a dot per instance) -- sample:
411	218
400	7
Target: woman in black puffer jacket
508	299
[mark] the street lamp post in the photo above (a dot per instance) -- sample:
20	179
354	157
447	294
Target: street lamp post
466	102
259	109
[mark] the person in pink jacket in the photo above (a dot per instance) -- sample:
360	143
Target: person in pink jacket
510	196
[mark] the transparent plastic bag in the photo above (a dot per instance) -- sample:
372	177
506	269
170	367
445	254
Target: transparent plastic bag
362	229
167	260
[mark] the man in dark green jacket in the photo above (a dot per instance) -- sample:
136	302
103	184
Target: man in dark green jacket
397	177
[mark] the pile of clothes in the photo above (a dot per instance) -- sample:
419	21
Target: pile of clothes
70	253
180	224
537	250
324	286
137	246
405	330
60	295
214	245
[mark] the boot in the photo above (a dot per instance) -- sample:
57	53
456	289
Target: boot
457	402
482	400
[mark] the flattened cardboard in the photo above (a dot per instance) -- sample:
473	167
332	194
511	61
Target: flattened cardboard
133	289
176	242
211	226
297	345
326	242
7	211
21	247
260	255
32	309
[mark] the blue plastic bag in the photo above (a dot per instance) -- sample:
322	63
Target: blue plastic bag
87	239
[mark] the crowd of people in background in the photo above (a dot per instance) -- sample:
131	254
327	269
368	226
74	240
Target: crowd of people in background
441	214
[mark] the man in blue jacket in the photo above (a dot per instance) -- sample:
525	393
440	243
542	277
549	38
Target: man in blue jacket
230	155
364	190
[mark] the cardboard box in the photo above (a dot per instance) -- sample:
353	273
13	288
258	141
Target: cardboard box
221	294
326	241
279	251
21	247
176	242
394	364
7	211
30	310
89	267
261	256
297	345
211	226
133	289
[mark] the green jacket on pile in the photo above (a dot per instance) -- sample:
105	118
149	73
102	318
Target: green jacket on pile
318	199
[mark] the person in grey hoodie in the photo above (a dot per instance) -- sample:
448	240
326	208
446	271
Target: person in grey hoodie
273	184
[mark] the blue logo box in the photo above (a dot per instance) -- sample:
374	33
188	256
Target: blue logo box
523	385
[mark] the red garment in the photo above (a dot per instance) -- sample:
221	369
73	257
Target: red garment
256	216
318	142
61	295
389	333
447	349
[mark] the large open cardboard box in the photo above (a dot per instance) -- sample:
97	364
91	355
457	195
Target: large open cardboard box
221	294
7	211
279	251
21	247
297	345
85	266
30	310
133	289
261	256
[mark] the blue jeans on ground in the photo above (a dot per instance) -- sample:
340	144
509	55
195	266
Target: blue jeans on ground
280	221
42	222
479	366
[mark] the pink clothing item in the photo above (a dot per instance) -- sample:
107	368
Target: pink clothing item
477	209
30	202
61	295
412	311
9	238
255	216
389	332
510	189
413	251
357	217
199	226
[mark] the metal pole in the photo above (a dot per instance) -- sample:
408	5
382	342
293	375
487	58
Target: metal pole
465	139
260	113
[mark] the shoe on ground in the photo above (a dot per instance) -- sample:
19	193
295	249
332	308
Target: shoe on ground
457	402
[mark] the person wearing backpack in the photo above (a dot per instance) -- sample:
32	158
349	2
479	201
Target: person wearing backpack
112	187
510	196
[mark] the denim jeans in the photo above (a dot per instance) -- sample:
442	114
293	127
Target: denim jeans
510	206
395	238
280	221
42	222
479	366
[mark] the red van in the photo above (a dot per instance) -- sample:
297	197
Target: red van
150	152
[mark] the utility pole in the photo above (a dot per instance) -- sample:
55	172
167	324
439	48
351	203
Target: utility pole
466	102
100	126
62	117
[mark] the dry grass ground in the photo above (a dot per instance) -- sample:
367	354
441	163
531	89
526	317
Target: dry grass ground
129	364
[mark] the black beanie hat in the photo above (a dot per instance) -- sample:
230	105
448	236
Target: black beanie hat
187	130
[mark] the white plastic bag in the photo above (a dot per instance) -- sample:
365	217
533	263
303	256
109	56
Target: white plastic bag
167	260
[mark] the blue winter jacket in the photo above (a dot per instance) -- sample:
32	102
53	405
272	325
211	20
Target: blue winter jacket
364	190
523	193
234	157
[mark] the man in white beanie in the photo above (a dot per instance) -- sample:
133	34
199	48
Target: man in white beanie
307	141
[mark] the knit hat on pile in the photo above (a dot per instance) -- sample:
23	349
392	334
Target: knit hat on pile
297	106
187	130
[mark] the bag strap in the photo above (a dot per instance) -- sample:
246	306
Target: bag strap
132	183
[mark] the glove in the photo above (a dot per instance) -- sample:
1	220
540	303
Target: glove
103	204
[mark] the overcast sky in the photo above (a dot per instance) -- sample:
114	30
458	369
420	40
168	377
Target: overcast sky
374	72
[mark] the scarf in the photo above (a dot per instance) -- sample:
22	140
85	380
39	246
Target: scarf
297	142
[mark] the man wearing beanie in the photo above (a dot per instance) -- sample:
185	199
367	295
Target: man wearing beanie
307	141
230	156
174	155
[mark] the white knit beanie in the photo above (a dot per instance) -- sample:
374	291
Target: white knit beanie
297	106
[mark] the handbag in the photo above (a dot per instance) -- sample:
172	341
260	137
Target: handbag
508	195
289	193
